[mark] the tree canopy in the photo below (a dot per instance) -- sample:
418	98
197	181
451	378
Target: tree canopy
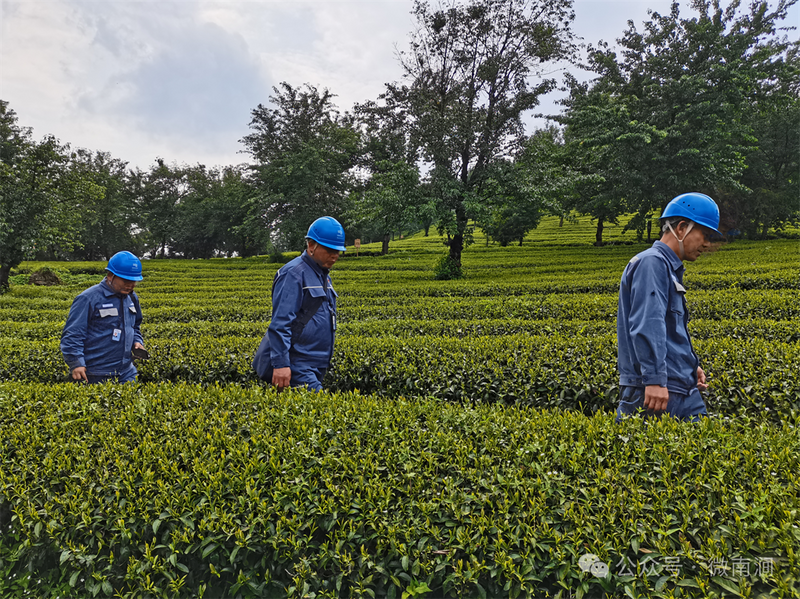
673	112
305	152
470	74
37	193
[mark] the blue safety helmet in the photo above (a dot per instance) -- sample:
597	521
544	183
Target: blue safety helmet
697	207
125	266
327	231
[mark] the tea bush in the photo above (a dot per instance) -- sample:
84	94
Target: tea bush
467	446
220	491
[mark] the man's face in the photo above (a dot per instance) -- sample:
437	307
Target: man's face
324	256
120	285
696	242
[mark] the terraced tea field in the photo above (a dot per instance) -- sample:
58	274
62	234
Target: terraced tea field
466	448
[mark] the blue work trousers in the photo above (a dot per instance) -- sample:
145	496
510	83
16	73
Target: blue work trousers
306	376
128	376
689	407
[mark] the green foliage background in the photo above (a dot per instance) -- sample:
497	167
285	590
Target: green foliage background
467	447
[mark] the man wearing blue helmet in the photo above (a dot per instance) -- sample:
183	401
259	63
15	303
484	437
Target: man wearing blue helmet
659	370
296	351
103	325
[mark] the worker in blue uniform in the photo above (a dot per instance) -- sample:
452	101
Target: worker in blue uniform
297	348
659	370
103	325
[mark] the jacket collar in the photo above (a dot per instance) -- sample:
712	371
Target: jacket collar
108	291
322	272
675	263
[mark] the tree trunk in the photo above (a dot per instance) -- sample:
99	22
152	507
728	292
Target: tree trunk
561	221
456	247
5	271
385	248
427	228
457	243
598	236
521	239
649	229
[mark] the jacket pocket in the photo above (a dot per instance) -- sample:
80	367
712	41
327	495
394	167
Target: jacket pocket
677	303
312	305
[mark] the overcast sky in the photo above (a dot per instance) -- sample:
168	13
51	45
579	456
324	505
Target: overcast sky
178	79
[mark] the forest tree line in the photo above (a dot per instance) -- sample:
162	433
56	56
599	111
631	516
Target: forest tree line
708	102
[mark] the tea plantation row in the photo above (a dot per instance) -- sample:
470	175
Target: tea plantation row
192	491
466	449
752	376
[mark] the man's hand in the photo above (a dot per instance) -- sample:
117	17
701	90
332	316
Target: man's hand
701	379
138	346
79	374
656	398
281	377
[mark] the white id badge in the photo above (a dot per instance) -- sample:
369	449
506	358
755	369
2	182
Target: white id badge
333	320
117	335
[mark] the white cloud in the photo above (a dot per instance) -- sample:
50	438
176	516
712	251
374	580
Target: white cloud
178	78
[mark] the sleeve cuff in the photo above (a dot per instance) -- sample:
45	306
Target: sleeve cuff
75	362
280	361
654	380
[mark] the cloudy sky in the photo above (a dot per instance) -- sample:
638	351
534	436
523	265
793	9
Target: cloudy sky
177	79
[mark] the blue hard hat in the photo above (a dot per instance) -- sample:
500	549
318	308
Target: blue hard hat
697	207
327	231
125	266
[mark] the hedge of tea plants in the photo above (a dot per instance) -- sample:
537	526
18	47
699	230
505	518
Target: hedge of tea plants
533	325
223	491
528	337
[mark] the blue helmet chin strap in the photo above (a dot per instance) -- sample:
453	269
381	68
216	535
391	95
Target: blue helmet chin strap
681	253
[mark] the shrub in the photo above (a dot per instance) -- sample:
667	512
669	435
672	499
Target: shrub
188	491
46	276
447	269
277	257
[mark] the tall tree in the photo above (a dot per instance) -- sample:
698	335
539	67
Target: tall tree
773	168
305	152
506	212
607	148
34	189
238	211
517	194
213	215
470	66
157	195
390	198
106	217
197	232
671	114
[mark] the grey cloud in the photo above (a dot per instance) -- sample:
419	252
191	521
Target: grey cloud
9	10
201	86
110	37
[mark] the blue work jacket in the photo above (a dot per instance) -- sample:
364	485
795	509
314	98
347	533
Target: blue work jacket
100	331
297	284
653	341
